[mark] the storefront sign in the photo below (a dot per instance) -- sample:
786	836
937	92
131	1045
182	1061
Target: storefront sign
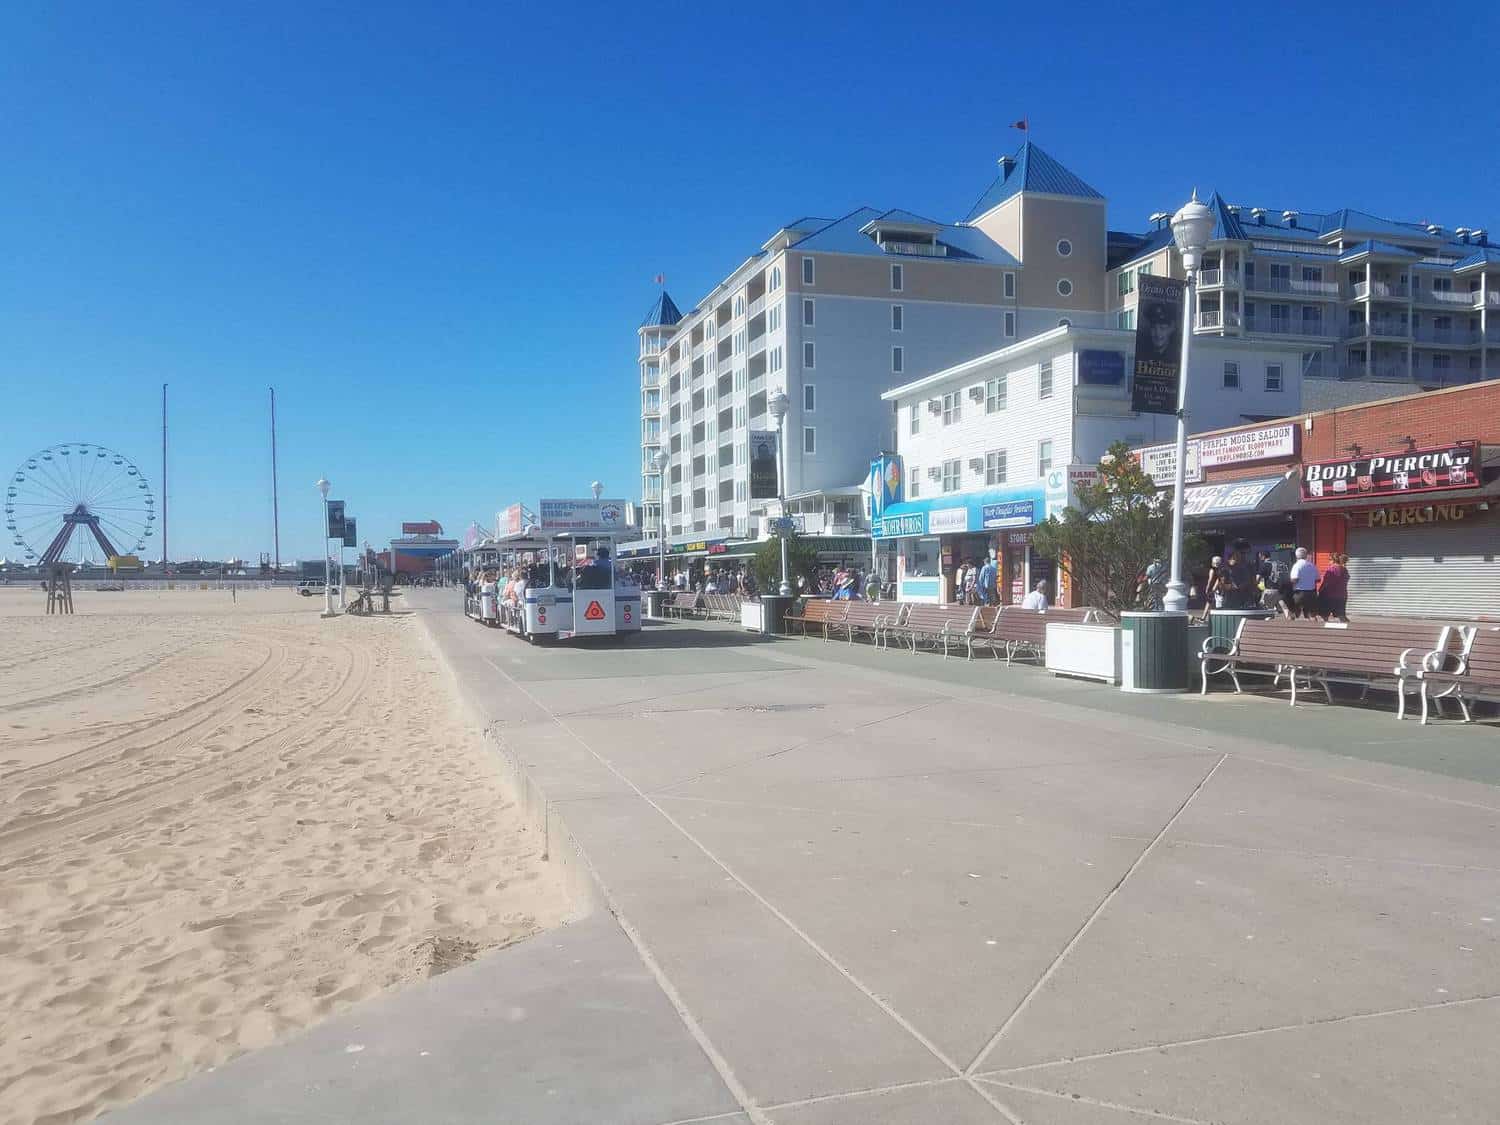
422	527
583	515
1231	496
1158	345
1244	446
1421	513
1160	464
1101	369
1011	513
1388	474
946	521
897	527
700	547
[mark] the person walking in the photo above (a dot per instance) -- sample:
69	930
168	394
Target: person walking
989	580
1333	589
1304	585
1213	592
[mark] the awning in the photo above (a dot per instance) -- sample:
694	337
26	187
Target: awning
1241	498
959	513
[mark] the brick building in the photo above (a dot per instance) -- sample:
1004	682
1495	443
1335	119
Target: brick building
1408	487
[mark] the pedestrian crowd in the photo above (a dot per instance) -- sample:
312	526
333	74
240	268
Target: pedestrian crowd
1268	582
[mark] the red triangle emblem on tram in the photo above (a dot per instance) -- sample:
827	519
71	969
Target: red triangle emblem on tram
595	612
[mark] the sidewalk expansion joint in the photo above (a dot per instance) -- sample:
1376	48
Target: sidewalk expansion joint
1080	1099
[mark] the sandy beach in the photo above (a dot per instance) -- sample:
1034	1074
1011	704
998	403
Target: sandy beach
222	820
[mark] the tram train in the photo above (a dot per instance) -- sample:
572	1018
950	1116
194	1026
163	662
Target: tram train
568	586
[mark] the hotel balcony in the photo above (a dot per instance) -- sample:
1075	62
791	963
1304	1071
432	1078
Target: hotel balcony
756	306
1215	320
1381	291
1485	300
1289	326
1445	337
1217	278
1294	286
1445	297
1378	329
1385	372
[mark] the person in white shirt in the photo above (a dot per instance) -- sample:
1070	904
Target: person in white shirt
1037	599
1304	585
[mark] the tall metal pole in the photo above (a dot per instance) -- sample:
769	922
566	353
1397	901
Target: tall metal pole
164	480
786	585
275	503
1176	600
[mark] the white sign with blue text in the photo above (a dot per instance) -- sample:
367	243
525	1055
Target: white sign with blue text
1011	513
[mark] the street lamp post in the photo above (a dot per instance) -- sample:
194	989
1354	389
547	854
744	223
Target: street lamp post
778	406
323	487
661	461
1191	227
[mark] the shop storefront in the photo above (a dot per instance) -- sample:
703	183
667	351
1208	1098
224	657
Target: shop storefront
935	537
1420	527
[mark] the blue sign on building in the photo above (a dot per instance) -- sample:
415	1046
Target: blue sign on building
1100	368
1010	513
894	527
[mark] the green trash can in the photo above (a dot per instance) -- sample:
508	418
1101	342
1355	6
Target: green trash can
1154	654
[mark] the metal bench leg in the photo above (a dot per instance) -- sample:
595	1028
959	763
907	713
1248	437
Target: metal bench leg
1463	705
1400	699
1424	703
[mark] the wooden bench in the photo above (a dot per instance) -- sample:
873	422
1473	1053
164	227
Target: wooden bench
822	612
684	604
1462	669
860	617
1365	653
1019	632
931	624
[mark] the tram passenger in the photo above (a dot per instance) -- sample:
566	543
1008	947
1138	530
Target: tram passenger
598	574
487	592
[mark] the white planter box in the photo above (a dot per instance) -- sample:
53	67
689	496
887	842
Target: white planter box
753	616
1089	651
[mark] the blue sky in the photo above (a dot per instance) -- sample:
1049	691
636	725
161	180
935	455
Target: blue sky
412	220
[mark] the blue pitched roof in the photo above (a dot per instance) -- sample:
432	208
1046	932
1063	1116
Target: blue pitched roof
1374	247
1030	169
1482	255
1226	222
897	215
662	314
843	236
1347	218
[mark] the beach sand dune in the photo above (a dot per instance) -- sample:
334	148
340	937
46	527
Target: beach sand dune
222	821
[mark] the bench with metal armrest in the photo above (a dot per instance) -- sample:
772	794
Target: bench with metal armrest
821	612
1462	668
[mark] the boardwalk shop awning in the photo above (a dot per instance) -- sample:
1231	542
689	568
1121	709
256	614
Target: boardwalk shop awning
1256	496
958	513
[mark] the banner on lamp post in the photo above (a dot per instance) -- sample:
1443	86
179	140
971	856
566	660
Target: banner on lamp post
335	519
763	465
351	532
1158	345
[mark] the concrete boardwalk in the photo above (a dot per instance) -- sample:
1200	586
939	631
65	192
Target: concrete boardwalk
869	887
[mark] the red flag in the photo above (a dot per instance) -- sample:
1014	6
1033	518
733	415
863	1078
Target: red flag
661	279
1021	125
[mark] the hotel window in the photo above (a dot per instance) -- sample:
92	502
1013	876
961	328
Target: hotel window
1144	270
807	271
995	394
809	440
809	397
1009	283
739	306
1312	273
1442	362
994	467
1043	458
726	491
897	278
953	408
740	491
913	480
1442	285
1044	379
1126	319
898	359
1231	376
775	282
1273	376
773	319
1127	282
1010	325
775	360
952	475
916	419
809	354
898	314
809	313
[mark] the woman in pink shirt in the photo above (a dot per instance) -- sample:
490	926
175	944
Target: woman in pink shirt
1333	590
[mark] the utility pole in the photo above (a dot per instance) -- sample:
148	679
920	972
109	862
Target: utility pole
164	479
275	511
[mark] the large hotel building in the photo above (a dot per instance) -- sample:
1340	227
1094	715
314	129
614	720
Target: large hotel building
1303	310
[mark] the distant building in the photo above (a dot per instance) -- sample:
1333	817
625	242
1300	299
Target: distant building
419	547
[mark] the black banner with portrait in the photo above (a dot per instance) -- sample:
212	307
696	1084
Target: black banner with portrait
763	465
1158	344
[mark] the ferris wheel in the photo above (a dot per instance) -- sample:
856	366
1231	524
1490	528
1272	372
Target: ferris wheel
78	502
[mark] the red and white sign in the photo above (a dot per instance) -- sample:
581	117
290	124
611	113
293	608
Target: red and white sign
595	612
423	527
1393	474
509	521
1244	446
